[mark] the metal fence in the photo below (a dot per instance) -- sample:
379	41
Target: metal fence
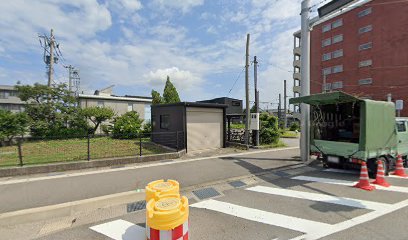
238	136
34	150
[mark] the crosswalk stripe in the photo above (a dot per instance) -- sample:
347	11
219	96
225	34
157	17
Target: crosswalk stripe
348	183
320	197
341	171
121	230
252	214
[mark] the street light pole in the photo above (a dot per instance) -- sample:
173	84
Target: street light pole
305	82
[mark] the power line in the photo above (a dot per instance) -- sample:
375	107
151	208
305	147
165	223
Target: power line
235	82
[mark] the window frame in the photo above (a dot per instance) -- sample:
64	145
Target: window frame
326	42
337	85
339	22
165	121
98	103
404	124
338	51
365	29
365	81
365	63
326	28
328	55
365	12
329	70
365	46
130	105
337	41
337	66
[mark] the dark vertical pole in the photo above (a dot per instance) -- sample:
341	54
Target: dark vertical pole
247	94
20	152
89	147
279	110
285	121
229	129
140	145
177	141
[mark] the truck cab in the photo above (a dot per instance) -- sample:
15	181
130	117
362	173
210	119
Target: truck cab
402	134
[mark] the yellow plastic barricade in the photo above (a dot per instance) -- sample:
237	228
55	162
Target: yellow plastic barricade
159	188
167	218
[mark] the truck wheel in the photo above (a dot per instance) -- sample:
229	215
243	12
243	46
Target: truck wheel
372	167
386	165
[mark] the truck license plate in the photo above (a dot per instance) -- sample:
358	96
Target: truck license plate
332	159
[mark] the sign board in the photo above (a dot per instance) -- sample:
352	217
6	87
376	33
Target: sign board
254	121
399	104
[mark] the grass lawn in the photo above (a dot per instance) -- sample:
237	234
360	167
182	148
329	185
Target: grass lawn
275	145
51	151
290	134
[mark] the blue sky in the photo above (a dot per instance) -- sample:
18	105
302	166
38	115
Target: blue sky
134	44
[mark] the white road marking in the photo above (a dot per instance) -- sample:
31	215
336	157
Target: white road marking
398	177
320	197
352	222
341	171
32	179
349	183
121	230
252	214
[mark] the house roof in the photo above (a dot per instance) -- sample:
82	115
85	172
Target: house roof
193	104
220	98
104	97
325	98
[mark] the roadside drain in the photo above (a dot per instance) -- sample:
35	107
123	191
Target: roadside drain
206	193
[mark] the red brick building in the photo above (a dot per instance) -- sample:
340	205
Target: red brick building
362	48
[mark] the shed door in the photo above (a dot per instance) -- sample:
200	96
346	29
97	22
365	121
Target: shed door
204	128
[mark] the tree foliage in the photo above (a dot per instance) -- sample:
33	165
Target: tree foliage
127	126
12	124
52	111
269	132
97	115
170	94
157	99
294	127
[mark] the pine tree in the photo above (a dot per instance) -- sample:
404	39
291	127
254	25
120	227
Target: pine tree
157	99
170	94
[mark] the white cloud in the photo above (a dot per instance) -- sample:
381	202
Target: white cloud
132	5
182	5
180	78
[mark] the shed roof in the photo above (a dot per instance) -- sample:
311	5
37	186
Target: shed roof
192	104
325	98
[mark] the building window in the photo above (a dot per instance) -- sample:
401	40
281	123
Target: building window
327	86
365	12
326	42
366	81
101	104
327	71
337	85
236	103
326	56
3	95
326	28
338	38
365	29
338	53
365	46
337	69
365	63
164	121
337	23
130	107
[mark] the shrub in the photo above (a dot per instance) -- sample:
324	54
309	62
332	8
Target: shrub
127	126
147	128
294	127
269	133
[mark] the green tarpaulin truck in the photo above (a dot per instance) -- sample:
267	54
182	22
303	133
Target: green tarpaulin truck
346	130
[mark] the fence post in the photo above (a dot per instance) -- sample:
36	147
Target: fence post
177	141
20	152
140	145
89	147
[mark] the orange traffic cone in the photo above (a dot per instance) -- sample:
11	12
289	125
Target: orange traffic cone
379	179
399	170
363	183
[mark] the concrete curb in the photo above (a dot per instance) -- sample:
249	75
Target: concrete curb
68	166
68	209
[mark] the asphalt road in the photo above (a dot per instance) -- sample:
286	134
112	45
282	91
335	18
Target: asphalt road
280	206
31	192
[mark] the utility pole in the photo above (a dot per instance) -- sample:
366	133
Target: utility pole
280	111
51	63
256	97
305	83
247	93
285	96
74	80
